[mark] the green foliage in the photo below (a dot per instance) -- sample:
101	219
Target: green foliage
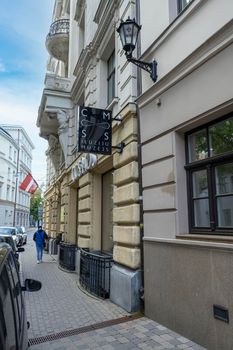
36	202
222	137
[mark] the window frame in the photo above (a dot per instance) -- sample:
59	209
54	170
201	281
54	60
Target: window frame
111	78
209	164
180	6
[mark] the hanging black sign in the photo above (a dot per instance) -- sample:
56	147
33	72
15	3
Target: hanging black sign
95	130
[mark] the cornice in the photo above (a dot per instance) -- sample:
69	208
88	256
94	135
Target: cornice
45	94
80	7
8	137
91	49
214	45
3	159
105	21
178	21
100	10
78	88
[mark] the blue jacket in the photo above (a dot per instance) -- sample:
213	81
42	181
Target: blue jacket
39	237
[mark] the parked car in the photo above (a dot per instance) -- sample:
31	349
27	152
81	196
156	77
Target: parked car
13	323
21	231
10	230
16	250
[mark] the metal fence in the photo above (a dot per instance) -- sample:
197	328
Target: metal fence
67	256
61	26
95	268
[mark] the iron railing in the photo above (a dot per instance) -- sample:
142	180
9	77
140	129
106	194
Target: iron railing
61	26
67	256
95	268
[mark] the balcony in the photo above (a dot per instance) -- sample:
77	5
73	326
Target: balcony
57	41
57	83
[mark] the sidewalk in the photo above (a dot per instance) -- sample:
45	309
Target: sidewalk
63	317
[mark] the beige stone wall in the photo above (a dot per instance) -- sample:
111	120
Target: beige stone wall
64	209
51	211
85	214
77	207
183	280
126	212
82	210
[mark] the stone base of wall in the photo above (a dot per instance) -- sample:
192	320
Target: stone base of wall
183	282
125	285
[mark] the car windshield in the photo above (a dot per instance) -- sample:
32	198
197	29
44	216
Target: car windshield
7	230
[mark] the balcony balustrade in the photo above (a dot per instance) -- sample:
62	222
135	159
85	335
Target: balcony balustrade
57	41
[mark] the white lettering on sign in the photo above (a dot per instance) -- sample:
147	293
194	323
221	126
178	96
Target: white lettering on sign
106	116
84	164
84	112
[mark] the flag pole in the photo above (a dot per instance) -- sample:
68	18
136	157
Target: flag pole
16	182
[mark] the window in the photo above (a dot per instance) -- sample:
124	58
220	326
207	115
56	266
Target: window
10	152
182	4
210	177
14	156
8	193
111	77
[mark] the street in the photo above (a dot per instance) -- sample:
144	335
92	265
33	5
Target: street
64	317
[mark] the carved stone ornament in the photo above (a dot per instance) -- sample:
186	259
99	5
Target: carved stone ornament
63	116
82	165
54	151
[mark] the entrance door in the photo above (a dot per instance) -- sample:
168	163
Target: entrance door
107	212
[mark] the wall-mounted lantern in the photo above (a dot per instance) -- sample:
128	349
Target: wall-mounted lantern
129	31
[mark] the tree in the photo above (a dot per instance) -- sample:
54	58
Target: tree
36	203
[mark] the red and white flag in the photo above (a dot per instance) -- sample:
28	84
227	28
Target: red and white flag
29	184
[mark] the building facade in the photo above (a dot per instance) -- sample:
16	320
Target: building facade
8	163
92	200
177	157
16	164
186	120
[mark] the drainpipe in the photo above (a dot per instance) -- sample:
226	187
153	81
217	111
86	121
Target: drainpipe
139	91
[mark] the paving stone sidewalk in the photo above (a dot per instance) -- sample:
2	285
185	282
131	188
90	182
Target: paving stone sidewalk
62	306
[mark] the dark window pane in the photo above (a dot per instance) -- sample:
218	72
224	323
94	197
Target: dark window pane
225	211
201	213
200	198
111	63
221	137
197	144
111	77
200	184
224	179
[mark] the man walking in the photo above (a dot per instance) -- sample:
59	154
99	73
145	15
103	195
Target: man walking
39	237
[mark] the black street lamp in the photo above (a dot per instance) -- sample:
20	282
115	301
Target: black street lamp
129	31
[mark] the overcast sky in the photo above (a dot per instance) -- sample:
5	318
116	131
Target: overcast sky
24	25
